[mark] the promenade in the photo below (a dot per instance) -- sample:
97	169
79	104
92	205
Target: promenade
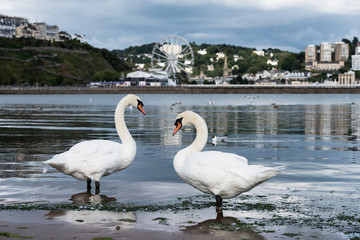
190	89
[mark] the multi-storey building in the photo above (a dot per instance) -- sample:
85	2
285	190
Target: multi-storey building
9	24
325	52
331	57
355	60
341	51
46	32
20	27
310	54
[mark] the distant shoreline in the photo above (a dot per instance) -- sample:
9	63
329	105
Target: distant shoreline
189	89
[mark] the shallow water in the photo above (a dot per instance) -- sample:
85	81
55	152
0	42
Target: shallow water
316	137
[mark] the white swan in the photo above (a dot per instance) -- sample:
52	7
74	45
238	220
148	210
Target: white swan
91	160
224	175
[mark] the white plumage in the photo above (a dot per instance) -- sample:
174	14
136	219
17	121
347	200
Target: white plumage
215	139
91	160
224	175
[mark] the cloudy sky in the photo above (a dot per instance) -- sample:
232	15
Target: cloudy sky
117	24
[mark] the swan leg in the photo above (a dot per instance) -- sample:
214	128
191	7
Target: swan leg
218	204
97	187
219	216
88	185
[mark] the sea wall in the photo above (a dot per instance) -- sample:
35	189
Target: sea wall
190	89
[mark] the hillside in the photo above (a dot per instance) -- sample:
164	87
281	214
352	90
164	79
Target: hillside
240	59
34	62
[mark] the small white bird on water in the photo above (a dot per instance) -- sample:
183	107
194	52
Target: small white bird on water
224	175
91	160
215	139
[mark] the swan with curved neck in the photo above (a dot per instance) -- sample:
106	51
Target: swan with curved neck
93	159
224	175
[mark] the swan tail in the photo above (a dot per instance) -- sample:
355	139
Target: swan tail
270	173
46	168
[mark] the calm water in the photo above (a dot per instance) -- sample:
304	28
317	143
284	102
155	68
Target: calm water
316	137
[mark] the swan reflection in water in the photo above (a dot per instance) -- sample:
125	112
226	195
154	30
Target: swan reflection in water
124	219
224	227
89	198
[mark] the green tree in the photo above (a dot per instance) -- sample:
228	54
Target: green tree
105	76
212	49
290	62
182	78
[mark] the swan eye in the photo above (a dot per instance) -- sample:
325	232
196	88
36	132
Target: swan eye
178	121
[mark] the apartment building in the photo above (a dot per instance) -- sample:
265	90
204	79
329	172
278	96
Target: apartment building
20	27
46	32
325	52
330	57
355	60
341	51
310	54
9	24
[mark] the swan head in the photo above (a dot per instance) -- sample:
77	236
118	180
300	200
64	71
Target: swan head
135	101
184	119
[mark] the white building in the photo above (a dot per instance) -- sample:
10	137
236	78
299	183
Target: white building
80	37
152	78
357	51
259	53
301	76
347	78
140	65
325	52
210	67
355	60
202	51
220	55
236	57
272	62
46	32
9	24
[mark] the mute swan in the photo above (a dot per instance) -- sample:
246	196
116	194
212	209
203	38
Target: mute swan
224	175
91	160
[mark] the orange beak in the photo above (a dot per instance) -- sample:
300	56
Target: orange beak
177	127
140	107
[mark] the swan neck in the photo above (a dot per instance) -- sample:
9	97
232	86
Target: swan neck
201	135
120	124
200	140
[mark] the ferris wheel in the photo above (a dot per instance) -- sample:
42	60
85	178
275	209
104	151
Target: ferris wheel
173	54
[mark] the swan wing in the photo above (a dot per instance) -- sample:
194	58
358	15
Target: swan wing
224	174
218	157
91	158
210	172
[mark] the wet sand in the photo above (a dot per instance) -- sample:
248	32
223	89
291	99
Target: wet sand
38	225
279	213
